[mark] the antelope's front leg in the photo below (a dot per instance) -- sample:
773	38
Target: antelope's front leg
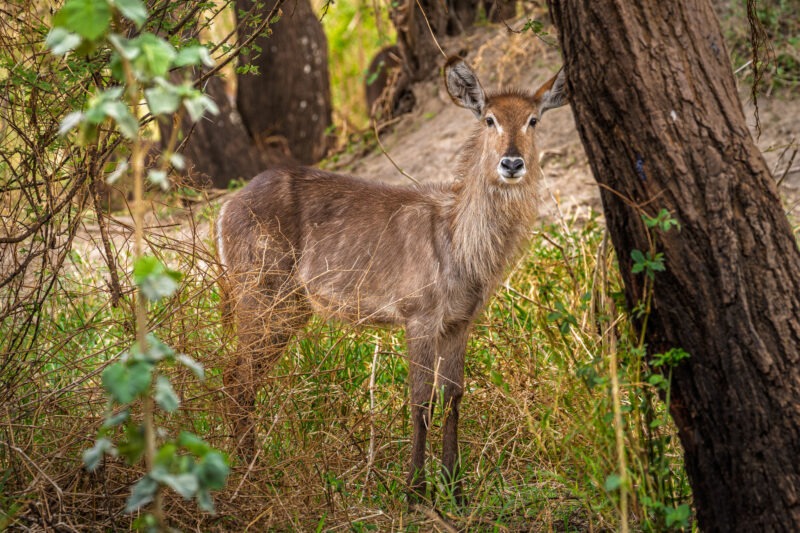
421	352
451	349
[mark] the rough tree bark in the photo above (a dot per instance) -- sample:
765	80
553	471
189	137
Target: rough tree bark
418	21
290	100
218	149
420	53
420	24
657	110
500	10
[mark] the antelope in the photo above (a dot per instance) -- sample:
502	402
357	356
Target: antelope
301	240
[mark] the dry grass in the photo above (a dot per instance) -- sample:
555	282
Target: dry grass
537	444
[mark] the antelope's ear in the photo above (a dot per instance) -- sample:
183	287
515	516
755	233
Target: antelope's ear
463	86
553	93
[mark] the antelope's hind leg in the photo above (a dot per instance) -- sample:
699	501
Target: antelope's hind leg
267	316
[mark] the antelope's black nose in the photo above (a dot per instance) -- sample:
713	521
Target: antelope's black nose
512	167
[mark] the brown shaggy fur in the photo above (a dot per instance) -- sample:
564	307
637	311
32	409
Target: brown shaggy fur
301	240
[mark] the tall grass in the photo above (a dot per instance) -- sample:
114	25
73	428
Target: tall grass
539	448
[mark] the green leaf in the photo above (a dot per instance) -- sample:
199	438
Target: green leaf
60	41
117	419
637	256
95	112
162	99
154	279
187	90
678	516
146	522
657	263
140	374
93	456
199	105
165	395
142	493
212	471
125	47
132	448
185	484
205	502
657	380
114	382
497	379
122	166
108	104
117	110
193	444
87	18
670	358
144	267
194	55
133	10
177	161
156	350
69	122
158	177
613	482
166	455
192	365
126	381
155	58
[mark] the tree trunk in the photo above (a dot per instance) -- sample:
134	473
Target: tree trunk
386	86
218	148
416	40
289	101
500	10
654	98
421	23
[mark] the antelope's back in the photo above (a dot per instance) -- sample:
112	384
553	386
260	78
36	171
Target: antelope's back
361	251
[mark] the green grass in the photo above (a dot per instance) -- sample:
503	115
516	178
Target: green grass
781	22
537	436
355	34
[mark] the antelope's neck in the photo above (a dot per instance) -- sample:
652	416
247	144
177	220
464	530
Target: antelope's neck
489	226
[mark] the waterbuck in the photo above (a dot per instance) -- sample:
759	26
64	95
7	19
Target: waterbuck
298	240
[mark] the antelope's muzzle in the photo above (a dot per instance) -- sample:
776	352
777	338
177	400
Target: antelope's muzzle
511	168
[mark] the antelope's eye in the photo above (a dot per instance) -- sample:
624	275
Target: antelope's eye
490	122
533	122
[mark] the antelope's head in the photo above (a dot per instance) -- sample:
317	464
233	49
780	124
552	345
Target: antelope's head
505	145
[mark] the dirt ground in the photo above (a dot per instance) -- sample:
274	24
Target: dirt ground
425	143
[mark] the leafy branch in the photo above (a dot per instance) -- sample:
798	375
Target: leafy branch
141	66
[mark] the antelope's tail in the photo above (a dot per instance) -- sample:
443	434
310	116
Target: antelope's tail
223	281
